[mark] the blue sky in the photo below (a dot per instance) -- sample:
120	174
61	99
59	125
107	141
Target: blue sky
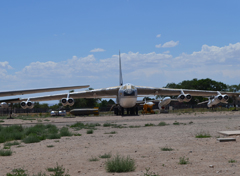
52	43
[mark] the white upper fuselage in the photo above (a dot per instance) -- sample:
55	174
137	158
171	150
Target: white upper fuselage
127	96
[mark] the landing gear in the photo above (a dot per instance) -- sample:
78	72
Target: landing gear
130	111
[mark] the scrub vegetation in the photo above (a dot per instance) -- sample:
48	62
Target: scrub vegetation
166	149
202	134
150	173
120	164
79	126
4	152
32	134
162	124
106	155
183	160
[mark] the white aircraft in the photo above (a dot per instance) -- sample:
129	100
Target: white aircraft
126	95
212	101
4	103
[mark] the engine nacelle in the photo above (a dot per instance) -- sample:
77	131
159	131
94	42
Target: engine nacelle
4	105
70	101
225	98
67	101
164	102
27	104
184	97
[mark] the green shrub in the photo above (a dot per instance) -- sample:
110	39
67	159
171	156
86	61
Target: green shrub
65	132
202	134
106	155
149	124
150	173
12	143
106	124
17	172
54	136
183	160
120	164
58	171
49	146
176	123
5	152
90	131
31	139
166	149
162	124
94	159
232	161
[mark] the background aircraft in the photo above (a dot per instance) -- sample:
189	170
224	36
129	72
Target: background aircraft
4	103
126	95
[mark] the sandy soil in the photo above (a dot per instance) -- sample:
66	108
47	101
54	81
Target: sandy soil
142	144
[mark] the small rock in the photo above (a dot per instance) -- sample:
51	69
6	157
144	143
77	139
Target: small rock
211	166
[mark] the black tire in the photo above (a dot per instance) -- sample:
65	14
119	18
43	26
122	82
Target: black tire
122	111
136	110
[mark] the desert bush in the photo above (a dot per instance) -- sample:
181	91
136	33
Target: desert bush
5	152
11	143
166	149
94	159
90	131
183	160
202	134
31	139
162	124
105	155
65	132
120	164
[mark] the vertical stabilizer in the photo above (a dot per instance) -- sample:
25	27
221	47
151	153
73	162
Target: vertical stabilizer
120	71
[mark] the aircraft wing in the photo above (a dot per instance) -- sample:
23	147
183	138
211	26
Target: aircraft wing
110	92
13	100
150	91
41	90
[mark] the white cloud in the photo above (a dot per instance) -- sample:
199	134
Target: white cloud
166	52
5	65
97	50
158	46
149	69
170	44
159	35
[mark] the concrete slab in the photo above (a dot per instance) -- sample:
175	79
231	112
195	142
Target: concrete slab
229	133
226	139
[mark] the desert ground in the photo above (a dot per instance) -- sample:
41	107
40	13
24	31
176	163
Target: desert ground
143	144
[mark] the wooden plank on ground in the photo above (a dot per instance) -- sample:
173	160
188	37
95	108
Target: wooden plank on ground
229	133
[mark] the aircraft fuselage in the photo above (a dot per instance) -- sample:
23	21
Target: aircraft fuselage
127	96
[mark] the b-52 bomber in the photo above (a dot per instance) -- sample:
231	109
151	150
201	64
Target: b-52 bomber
126	95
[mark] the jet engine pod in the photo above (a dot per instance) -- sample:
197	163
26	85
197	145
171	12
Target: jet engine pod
225	98
30	104
4	105
188	97
181	98
23	105
220	97
64	101
70	101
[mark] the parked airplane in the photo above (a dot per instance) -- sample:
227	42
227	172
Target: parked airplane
126	95
212	101
4	103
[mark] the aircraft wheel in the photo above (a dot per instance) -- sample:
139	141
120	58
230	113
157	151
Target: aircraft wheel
122	111
136	110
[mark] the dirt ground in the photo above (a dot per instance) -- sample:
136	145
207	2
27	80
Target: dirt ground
143	144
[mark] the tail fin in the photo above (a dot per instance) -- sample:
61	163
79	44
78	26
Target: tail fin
120	71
